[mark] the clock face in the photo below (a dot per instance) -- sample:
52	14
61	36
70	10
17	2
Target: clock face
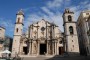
42	28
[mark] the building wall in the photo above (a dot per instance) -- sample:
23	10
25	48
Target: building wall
72	45
2	38
41	39
17	33
2	33
89	21
41	33
83	27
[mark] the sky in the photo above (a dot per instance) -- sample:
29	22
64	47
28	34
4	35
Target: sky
35	10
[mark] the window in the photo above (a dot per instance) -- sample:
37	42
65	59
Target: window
71	30
18	20
73	46
17	30
0	29
60	42
70	18
34	36
42	28
25	42
87	13
72	40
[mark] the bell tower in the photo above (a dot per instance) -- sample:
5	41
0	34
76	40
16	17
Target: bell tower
17	32
70	32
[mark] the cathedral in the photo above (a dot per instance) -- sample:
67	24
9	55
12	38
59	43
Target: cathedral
44	37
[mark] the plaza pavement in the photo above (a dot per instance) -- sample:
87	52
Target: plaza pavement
57	58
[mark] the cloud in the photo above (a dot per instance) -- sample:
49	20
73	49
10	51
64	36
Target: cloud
54	3
51	17
84	2
7	24
82	6
51	11
46	10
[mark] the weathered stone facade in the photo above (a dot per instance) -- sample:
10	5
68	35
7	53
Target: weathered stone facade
44	38
70	32
2	32
2	37
83	32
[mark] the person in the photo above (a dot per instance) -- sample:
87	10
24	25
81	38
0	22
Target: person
44	53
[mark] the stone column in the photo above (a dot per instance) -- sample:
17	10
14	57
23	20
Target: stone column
20	49
29	49
47	48
38	49
55	48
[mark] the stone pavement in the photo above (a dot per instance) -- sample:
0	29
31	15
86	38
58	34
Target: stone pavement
58	58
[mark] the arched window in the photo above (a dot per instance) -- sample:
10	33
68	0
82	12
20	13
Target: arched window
60	42
17	30
71	30
69	18
18	20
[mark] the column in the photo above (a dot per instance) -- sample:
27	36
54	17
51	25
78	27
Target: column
38	48
20	49
29	48
47	48
55	48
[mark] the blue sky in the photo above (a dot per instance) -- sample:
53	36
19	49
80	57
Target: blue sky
35	10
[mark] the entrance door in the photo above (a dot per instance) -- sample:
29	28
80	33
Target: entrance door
60	50
25	50
42	49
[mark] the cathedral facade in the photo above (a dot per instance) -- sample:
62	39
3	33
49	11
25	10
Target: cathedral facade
45	38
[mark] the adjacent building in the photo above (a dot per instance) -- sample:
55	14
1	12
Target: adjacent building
2	32
2	37
8	43
89	27
83	27
5	41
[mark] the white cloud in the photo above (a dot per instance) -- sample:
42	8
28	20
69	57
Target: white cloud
54	3
84	5
8	25
84	2
56	16
46	10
